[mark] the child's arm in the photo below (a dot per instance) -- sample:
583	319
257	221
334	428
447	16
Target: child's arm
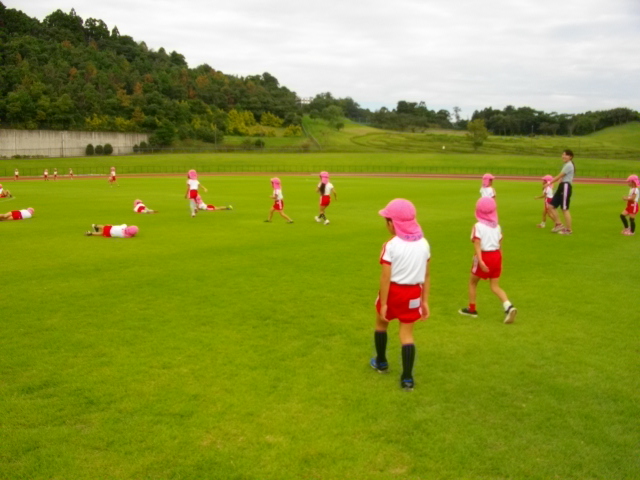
476	246
425	294
204	188
539	197
335	195
385	282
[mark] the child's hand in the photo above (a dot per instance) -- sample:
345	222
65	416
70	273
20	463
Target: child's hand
382	314
425	310
483	266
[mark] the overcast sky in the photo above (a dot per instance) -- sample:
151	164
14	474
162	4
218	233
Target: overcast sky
567	56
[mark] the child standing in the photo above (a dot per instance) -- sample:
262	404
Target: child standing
404	286
71	173
113	231
112	176
486	236
632	206
55	174
547	194
487	189
16	174
192	191
46	175
140	207
325	188
278	205
17	214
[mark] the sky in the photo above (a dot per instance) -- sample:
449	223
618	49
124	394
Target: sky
565	56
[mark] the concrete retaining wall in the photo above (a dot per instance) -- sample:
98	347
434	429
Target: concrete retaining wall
50	143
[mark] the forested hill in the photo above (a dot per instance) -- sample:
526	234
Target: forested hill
70	73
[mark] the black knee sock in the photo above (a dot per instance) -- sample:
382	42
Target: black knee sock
380	339
408	356
632	221
624	221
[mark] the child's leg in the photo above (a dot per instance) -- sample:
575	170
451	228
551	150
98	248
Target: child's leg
193	206
408	350
623	217
285	216
380	340
494	283
473	286
271	214
632	223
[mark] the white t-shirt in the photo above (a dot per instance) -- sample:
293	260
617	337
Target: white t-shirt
277	193
118	230
327	189
489	236
633	192
487	192
1	189
408	260
547	191
193	184
25	213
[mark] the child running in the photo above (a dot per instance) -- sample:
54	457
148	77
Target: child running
547	194
192	190
140	207
209	207
113	231
325	188
278	205
4	193
112	177
632	206
486	236
17	214
487	189
404	286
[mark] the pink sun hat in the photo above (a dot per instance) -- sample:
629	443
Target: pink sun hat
486	212
547	178
486	179
403	215
634	179
30	210
130	231
275	183
192	174
136	202
324	177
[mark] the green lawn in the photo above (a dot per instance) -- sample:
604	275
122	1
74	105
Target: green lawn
228	348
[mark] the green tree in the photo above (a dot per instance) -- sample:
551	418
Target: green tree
478	133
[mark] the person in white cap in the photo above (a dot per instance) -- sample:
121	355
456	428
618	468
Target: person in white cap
404	286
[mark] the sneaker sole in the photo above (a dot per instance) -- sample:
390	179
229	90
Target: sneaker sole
474	315
386	370
511	316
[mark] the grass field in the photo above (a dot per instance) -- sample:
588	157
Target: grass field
224	347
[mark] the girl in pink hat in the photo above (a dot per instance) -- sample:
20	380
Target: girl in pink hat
632	206
192	191
487	189
404	286
278	201
486	236
325	189
112	231
209	207
17	214
112	177
547	194
139	207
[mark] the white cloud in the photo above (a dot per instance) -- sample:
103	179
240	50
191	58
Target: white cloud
560	55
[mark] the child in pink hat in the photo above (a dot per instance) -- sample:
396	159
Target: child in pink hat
192	190
17	214
112	177
212	208
486	236
139	207
325	189
112	231
631	209
404	286
4	193
278	201
547	194
487	189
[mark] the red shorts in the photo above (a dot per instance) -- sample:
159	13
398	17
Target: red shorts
16	214
548	201
632	208
493	260
404	303
325	200
278	205
112	179
106	231
140	208
193	194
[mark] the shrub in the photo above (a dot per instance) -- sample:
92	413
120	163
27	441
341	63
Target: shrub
259	143
136	148
89	150
143	147
99	150
247	144
293	131
108	149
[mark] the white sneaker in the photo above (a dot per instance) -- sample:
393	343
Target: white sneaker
557	228
541	225
510	314
326	222
317	219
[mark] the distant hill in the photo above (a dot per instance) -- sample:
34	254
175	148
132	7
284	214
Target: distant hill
70	73
627	135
